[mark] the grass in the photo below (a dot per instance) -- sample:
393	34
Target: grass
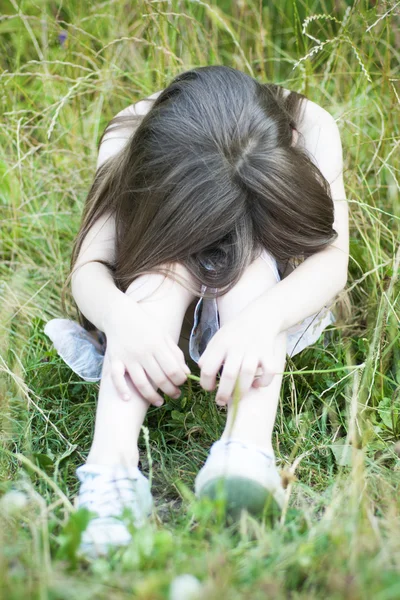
337	432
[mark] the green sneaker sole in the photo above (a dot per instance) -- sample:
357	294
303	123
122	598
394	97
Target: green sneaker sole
241	493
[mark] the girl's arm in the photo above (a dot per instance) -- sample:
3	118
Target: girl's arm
136	345
249	340
316	281
92	284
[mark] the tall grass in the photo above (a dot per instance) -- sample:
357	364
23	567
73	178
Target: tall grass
337	432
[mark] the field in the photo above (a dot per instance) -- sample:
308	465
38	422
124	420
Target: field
66	69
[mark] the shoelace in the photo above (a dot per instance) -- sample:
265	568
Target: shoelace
108	496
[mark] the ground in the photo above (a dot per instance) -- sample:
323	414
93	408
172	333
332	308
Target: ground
66	70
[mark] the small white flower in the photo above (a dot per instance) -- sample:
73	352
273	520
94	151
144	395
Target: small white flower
13	503
185	587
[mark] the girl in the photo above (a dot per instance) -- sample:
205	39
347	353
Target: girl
218	195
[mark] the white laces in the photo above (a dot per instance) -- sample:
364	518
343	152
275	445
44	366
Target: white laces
107	492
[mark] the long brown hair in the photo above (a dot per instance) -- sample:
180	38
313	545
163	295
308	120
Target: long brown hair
209	178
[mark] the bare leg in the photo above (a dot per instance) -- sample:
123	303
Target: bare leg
257	409
118	423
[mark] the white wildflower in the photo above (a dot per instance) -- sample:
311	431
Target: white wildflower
185	587
13	502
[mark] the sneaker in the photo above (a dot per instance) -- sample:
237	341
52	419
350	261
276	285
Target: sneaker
108	492
245	475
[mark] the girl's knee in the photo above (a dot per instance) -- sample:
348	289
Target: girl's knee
145	286
257	279
160	286
264	271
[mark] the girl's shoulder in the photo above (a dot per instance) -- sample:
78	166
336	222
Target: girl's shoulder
121	127
312	114
320	137
141	108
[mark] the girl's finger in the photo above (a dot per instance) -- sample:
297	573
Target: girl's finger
247	373
119	380
267	375
212	361
159	378
209	349
228	378
256	381
143	385
172	368
178	353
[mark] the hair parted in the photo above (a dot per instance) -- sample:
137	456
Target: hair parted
209	178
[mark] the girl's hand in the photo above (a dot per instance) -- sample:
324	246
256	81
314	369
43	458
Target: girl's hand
242	345
139	346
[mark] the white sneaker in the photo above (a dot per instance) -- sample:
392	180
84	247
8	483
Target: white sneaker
245	475
108	492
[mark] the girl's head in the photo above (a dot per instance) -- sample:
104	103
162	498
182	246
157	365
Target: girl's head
209	177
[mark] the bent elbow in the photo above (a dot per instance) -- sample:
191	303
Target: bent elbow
74	281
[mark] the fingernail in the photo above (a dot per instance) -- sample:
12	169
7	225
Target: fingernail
159	403
126	396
